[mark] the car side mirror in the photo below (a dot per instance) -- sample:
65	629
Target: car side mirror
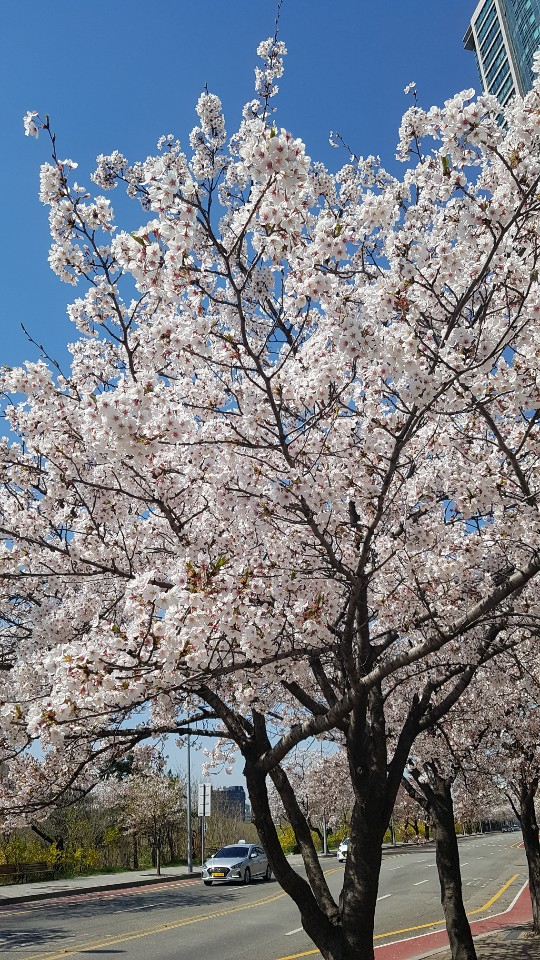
253	854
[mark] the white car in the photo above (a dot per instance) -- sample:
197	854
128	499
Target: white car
241	862
342	850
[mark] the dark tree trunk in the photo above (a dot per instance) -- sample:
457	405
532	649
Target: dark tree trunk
135	852
344	931
434	793
318	920
457	924
58	840
447	857
171	843
529	826
358	898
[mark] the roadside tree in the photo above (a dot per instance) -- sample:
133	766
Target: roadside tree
289	484
510	751
431	783
149	803
322	787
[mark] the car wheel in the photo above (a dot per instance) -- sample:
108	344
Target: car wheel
207	883
247	876
268	874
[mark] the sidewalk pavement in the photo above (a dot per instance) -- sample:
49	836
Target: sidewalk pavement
47	889
504	936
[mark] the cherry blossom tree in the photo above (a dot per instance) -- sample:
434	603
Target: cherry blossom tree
321	783
509	754
148	802
430	779
408	813
288	487
486	748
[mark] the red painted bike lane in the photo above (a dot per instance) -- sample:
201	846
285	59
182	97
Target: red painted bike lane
519	912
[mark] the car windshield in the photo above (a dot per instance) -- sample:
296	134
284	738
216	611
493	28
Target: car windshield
237	852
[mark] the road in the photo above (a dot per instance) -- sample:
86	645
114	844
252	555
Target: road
184	919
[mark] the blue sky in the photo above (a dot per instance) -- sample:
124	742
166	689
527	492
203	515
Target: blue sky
118	76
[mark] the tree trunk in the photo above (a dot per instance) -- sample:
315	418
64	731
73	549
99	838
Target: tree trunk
135	852
343	932
171	843
358	898
447	857
529	826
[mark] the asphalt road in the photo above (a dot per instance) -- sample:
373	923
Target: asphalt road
184	920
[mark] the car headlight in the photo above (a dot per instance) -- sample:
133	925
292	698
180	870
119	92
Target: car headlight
236	866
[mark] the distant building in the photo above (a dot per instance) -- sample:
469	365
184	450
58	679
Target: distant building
230	801
504	35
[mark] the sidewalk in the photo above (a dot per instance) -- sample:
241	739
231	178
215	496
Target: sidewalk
47	889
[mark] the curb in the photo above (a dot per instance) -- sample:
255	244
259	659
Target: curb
97	888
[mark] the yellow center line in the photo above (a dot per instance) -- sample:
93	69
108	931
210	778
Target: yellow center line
163	927
496	897
160	928
150	931
420	926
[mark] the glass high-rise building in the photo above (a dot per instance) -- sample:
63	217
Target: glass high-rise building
505	34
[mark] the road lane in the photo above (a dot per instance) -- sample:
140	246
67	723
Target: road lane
186	919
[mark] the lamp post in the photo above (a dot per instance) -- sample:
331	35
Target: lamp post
189	834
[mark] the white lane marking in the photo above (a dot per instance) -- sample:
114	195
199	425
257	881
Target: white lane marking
385	897
466	864
32	944
397	868
419	882
290	933
145	906
422	860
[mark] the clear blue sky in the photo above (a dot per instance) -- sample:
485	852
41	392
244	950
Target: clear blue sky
118	76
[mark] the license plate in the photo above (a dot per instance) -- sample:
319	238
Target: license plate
218	874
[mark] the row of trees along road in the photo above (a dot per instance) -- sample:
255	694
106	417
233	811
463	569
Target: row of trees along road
133	819
288	488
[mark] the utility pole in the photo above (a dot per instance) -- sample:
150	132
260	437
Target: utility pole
188	808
